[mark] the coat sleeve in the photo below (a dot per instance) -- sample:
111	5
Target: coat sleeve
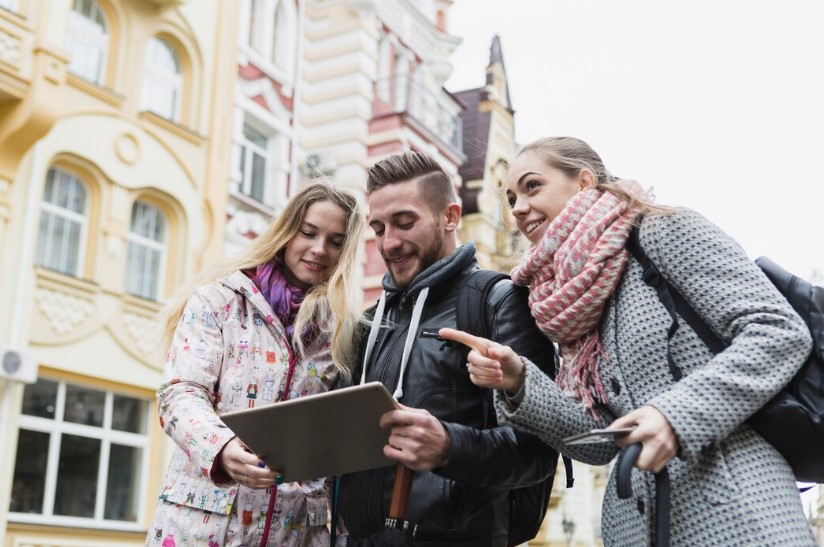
548	413
186	399
503	457
768	340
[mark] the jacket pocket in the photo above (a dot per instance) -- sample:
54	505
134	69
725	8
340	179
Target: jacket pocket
715	478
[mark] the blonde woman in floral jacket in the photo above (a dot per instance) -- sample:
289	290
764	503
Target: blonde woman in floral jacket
275	323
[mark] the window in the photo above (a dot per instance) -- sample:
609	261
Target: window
272	35
82	456
10	5
256	37
253	153
163	80
63	222
147	250
88	41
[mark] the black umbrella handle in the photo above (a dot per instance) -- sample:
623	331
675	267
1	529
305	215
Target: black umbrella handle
623	484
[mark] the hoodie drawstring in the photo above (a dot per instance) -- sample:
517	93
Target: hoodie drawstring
417	311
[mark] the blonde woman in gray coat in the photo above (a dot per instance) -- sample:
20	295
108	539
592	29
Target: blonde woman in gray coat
729	486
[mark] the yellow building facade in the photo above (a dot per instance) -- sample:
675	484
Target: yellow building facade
114	149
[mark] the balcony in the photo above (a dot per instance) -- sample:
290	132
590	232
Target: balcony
434	115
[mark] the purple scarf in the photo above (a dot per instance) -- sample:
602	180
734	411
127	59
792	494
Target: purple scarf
284	298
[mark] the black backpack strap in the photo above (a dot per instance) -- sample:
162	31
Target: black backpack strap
674	303
472	316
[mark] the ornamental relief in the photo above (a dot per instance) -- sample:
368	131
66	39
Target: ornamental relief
139	333
9	48
66	316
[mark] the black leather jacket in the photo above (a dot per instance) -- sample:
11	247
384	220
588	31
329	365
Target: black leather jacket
464	503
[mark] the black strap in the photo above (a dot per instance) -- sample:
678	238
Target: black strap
674	303
334	523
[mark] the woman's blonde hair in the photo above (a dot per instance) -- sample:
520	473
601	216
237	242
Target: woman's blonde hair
572	156
333	305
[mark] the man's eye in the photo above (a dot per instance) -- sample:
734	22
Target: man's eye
405	226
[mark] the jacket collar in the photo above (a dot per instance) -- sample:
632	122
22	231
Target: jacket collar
240	283
435	275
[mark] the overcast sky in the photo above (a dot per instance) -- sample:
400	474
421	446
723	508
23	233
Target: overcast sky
716	104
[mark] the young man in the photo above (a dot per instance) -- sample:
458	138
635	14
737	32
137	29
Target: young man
464	465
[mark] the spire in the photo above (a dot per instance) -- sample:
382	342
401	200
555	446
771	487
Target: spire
497	68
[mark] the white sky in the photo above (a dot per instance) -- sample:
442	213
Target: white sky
717	104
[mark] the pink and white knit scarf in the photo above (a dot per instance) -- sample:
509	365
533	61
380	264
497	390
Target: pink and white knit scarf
571	274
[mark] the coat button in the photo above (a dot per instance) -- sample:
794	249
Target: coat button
219	405
616	386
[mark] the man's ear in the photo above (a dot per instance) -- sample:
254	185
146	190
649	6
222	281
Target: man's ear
452	215
587	180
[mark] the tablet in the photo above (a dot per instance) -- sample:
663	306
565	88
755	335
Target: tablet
318	435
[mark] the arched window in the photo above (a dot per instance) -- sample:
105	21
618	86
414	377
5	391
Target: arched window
63	223
163	80
88	39
254	152
147	251
256	33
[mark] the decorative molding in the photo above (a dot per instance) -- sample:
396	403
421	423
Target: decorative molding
63	311
10	48
144	332
127	148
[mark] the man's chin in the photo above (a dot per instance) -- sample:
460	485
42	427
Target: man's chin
402	278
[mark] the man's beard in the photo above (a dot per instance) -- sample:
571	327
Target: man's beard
427	257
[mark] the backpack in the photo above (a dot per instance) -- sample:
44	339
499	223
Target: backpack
793	420
527	504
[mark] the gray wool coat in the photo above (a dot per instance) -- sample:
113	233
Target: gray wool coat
729	486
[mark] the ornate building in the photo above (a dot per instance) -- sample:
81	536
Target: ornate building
140	140
114	149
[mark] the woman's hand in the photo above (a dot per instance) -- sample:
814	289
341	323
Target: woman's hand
490	364
244	467
654	432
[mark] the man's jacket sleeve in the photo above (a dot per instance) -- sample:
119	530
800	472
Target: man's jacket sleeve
502	457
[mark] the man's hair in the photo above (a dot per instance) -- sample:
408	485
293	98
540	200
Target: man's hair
434	184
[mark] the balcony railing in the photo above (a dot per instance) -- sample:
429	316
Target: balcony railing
437	112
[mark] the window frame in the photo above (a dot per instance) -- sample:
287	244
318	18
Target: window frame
134	238
270	37
156	76
68	215
56	427
100	43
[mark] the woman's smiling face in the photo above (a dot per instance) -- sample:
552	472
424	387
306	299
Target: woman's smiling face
537	193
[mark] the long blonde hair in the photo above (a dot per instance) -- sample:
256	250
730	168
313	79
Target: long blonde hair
333	305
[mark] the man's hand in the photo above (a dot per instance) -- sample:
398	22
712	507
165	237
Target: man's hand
418	439
490	364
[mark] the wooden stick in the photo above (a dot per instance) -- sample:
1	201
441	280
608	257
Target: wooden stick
400	492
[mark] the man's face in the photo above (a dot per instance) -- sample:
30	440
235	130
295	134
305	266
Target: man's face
409	236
